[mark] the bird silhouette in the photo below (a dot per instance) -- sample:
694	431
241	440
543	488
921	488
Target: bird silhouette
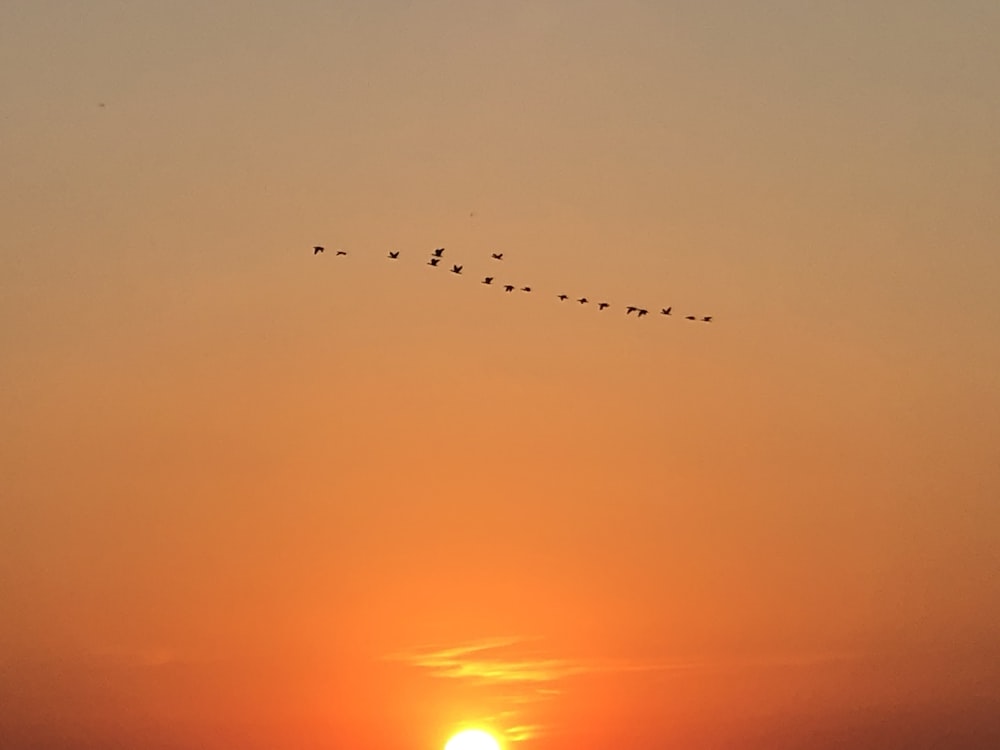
602	305
394	254
690	317
665	310
341	252
707	319
433	261
525	288
563	297
488	280
438	252
318	249
456	269
583	300
508	287
642	312
497	256
629	310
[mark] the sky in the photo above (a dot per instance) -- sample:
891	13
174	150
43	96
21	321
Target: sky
253	496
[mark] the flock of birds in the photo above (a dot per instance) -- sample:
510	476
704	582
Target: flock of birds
437	255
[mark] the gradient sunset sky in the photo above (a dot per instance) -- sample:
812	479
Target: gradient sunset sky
252	497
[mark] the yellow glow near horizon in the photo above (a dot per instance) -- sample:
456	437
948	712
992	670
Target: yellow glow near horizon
472	739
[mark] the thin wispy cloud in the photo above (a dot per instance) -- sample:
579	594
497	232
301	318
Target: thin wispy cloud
522	732
503	660
529	676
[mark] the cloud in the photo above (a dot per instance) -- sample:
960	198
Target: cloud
514	664
522	732
525	677
507	660
502	660
493	660
528	676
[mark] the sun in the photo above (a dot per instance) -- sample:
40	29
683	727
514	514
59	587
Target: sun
473	739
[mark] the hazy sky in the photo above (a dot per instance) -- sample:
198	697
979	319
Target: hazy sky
252	497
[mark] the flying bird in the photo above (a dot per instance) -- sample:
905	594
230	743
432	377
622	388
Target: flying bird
394	254
341	252
439	252
583	300
666	310
318	249
602	305
497	256
642	312
488	280
629	310
707	319
456	269
690	317
563	297
508	287
525	288
433	261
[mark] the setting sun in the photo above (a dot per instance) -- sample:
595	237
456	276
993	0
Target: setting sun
472	739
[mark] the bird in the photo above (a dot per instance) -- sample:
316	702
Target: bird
508	287
497	256
488	280
690	317
341	252
602	305
665	310
630	309
583	300
525	288
642	312
456	269
433	261
394	254
439	252
707	319
318	249
563	297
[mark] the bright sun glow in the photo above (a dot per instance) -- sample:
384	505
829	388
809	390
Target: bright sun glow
472	739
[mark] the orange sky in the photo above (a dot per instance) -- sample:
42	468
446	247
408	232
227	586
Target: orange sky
252	497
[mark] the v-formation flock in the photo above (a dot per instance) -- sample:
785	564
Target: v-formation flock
437	255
